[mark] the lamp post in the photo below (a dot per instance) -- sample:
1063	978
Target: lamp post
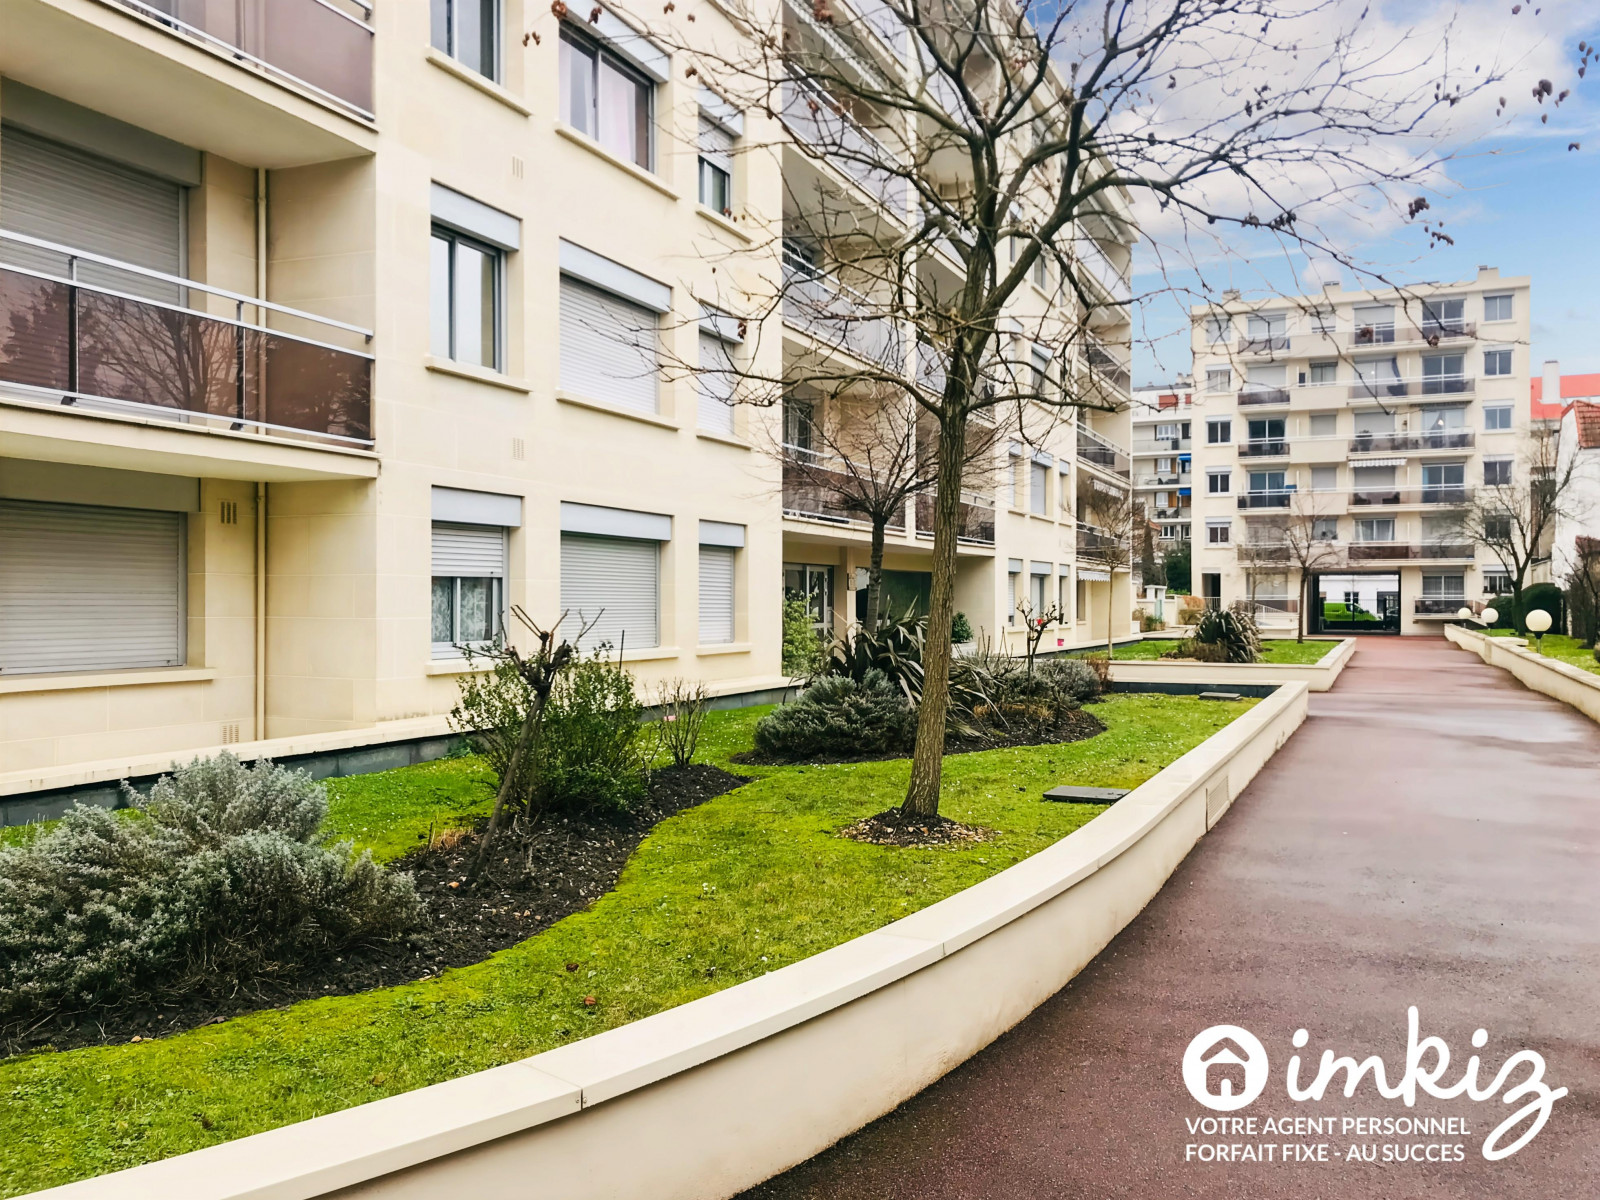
1488	616
1463	614
1538	622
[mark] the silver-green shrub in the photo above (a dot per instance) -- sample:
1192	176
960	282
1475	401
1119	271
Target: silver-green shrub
219	875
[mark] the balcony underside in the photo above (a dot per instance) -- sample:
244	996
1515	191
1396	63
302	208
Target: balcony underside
110	59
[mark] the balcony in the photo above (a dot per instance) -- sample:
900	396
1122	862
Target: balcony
977	519
1103	453
816	119
1367	552
1170	514
1097	544
1444	495
1263	395
1252	500
838	316
1431	385
1259	553
1262	345
820	486
1161	446
1105	364
96	347
1099	269
1389	443
1264	448
1438	606
1431	333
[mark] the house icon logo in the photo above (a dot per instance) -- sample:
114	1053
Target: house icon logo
1225	1067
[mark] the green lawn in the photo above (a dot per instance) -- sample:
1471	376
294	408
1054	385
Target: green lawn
1273	650
1558	646
742	885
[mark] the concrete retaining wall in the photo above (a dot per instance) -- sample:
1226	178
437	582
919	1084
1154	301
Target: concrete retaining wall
709	1098
1318	676
1559	680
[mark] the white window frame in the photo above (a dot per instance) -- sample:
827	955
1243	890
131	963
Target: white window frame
1226	486
1216	384
1494	298
603	55
1224	425
1493	358
453	239
447	11
1219	533
1497	418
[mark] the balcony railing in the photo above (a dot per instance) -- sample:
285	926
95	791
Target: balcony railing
1253	553
818	120
1106	364
1430	385
1170	514
1263	395
1438	606
1430	332
1264	448
837	315
1161	445
1249	500
321	45
820	486
1099	268
1265	344
1409	551
1437	439
977	518
97	347
1446	494
1097	544
1103	452
930	368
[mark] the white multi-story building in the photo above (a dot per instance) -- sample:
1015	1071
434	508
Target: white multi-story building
1357	423
1571	405
1162	457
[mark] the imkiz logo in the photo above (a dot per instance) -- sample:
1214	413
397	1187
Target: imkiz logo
1225	1055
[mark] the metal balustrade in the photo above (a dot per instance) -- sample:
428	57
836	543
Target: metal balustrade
1096	543
1438	439
1103	452
1263	395
837	315
818	120
977	518
820	486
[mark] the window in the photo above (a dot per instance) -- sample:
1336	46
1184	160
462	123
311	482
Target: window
610	347
1219	533
1443	373
1324	479
1324	424
1496	582
1219	432
1218	379
1497	362
1038	586
1219	483
605	98
1443	482
615	583
1266	430
469	32
1041	373
1266	481
1323	320
814	586
1497	416
1496	472
1008	481
1444	587
464	302
717	379
1375	529
89	589
716	592
469	573
1443	317
1167	431
1011	594
1268	329
1325	529
716	166
1497	528
1217	330
1323	372
1497	308
1038	487
1041	272
1374	324
799	424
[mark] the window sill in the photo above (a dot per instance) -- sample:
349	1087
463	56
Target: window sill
11	685
612	410
727	224
728	648
650	654
599	151
725	439
472	79
493	378
457	666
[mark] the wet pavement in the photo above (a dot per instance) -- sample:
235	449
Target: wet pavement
1430	837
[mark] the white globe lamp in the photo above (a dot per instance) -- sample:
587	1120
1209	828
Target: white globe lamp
1538	623
1488	616
1464	614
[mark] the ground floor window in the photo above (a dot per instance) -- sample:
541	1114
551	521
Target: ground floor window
469	576
716	594
612	584
1496	583
814	585
1444	586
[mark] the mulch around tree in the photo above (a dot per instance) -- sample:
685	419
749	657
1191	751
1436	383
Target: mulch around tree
896	827
1075	726
530	882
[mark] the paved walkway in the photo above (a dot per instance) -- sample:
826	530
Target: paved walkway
1431	836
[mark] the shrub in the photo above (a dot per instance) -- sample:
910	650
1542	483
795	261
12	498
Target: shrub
994	695
592	755
489	714
803	650
1075	678
219	875
960	629
1100	664
893	649
1231	631
683	711
1152	622
839	717
1189	610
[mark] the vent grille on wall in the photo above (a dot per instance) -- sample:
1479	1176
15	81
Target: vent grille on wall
230	732
519	449
230	512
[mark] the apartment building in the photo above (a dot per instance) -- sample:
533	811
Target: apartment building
1569	406
1347	429
331	331
1163	452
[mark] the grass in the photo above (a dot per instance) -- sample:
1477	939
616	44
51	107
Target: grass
1273	650
1557	646
741	885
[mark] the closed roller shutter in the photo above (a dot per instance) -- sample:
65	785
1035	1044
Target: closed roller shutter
617	580
608	347
89	589
469	551
716	385
716	145
716	595
81	200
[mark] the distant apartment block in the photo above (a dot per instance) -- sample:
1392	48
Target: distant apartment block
1163	453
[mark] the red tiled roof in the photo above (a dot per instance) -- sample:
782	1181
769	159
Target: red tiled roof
1588	419
1573	387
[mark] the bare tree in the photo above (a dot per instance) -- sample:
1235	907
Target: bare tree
1301	540
1106	538
1036	621
999	145
1583	590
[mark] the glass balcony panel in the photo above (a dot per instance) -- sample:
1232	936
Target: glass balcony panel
306	386
35	331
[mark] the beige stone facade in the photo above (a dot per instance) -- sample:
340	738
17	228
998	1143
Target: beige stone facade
297	466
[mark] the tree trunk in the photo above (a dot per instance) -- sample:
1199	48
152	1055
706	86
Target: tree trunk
875	575
927	759
1300	626
1111	606
530	729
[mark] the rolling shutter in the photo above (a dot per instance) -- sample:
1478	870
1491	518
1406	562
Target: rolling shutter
616	580
716	595
716	385
89	589
81	200
608	347
469	551
716	144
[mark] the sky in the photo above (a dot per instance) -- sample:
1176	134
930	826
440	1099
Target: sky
1515	198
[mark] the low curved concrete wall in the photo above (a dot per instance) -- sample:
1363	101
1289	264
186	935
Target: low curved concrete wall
706	1099
1554	678
1318	676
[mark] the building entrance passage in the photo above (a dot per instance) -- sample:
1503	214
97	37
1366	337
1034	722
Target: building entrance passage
1356	603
